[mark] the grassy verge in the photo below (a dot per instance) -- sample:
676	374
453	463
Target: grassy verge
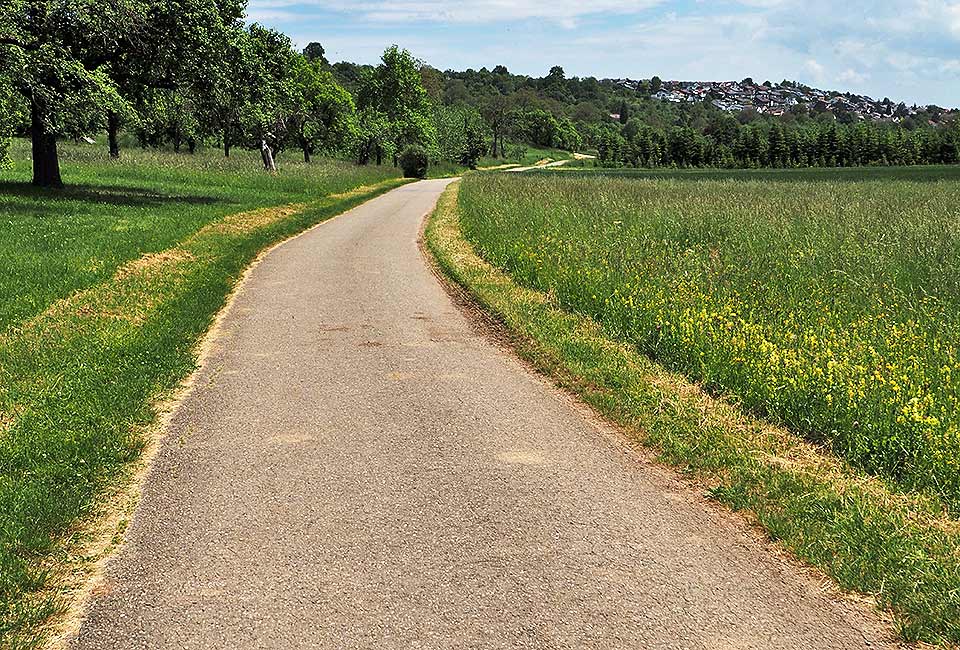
899	549
830	306
144	266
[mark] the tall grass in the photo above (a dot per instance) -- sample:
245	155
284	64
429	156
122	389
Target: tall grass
93	328
900	549
831	305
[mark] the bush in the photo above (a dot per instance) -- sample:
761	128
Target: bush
413	161
474	146
517	152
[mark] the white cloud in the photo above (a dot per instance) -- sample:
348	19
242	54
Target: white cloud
851	76
817	72
904	49
562	12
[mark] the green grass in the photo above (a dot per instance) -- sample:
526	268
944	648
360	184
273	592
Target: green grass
919	173
94	329
531	156
832	307
899	548
447	169
444	169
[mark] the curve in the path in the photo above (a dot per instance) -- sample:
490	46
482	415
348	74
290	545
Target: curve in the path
357	468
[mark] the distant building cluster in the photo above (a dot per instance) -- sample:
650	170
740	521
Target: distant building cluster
778	99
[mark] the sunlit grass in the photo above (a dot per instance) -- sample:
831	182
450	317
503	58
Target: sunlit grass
901	549
830	304
105	287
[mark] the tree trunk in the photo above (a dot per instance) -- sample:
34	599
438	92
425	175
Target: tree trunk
46	162
306	150
113	132
192	146
379	155
226	144
267	154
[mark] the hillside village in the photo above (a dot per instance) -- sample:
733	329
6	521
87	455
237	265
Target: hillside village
779	99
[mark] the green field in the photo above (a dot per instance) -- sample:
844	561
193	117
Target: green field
920	174
105	288
828	301
641	297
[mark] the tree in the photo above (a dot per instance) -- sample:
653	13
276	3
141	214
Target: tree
55	55
948	151
314	53
168	116
373	136
322	113
624	112
394	89
655	84
11	117
474	143
270	63
64	59
567	136
461	135
433	83
228	92
554	86
538	127
456	93
496	113
178	48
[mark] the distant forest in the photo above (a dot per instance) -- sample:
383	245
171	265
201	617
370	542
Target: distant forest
192	73
626	127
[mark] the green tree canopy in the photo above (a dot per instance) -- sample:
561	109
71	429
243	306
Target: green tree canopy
270	103
315	53
69	60
394	89
323	113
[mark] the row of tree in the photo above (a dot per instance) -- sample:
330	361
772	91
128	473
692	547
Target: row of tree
187	72
774	144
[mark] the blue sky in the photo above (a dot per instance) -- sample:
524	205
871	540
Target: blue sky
908	50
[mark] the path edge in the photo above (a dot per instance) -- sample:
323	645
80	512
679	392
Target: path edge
104	533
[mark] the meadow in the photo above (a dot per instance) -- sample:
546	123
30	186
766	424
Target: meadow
826	301
105	289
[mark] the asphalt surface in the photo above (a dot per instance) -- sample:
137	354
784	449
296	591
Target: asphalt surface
357	467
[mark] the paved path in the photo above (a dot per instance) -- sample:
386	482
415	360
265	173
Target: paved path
357	468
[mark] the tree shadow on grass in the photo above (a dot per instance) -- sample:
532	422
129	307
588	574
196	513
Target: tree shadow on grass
115	195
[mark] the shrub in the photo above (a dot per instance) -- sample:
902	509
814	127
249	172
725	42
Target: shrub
413	161
517	152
